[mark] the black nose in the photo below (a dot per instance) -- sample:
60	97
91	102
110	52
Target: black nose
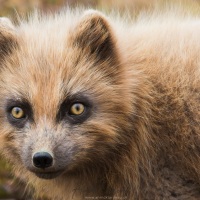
42	160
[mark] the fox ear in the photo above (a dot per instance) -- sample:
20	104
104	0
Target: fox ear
94	36
7	37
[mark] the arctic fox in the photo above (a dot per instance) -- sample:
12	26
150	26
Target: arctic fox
99	107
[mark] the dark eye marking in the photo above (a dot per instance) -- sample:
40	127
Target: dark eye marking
75	109
19	112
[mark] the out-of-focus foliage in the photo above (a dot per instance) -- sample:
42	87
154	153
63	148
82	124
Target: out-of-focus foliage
21	7
15	8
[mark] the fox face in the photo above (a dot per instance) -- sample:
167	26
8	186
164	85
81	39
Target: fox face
61	107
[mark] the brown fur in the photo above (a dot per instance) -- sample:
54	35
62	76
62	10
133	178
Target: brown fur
141	137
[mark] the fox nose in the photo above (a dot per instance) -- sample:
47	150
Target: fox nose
42	160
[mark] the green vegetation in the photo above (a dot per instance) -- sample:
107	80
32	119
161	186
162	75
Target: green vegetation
5	180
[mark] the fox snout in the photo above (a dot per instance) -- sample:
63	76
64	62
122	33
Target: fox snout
42	160
47	165
46	155
43	165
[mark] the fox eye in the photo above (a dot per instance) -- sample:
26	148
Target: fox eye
77	109
17	113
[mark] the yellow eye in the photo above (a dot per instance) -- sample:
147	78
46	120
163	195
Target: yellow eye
77	109
17	112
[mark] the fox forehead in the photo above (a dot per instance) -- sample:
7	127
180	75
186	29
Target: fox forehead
43	82
56	58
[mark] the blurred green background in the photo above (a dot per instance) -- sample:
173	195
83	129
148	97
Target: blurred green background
13	189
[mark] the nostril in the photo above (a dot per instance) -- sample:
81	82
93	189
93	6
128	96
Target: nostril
42	160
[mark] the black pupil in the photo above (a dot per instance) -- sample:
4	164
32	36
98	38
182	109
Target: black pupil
77	107
17	110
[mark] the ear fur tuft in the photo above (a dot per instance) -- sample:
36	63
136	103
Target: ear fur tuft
7	37
94	36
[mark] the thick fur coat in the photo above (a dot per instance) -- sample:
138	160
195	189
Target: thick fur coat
139	135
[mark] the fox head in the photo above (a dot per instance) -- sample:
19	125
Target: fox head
62	105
